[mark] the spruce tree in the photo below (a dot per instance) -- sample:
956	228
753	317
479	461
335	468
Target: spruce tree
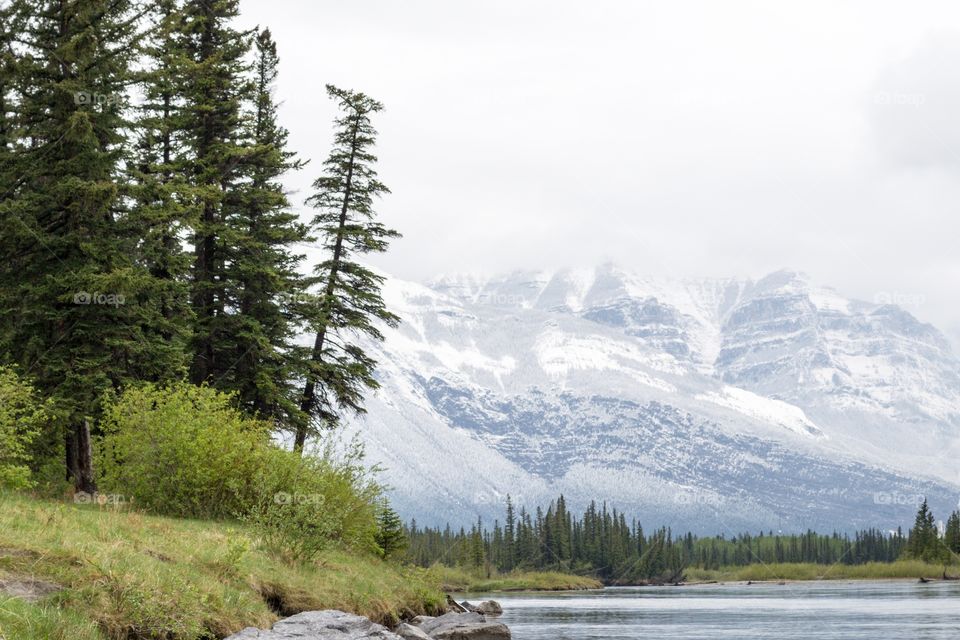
952	533
350	303
924	541
162	214
510	536
74	302
390	536
214	71
263	283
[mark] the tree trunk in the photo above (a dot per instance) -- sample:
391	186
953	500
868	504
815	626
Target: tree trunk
80	458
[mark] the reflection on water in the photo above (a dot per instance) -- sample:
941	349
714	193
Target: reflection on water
847	610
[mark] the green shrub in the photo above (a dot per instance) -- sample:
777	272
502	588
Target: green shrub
21	415
180	450
186	451
313	503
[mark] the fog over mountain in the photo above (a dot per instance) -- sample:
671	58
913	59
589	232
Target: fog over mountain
677	139
710	404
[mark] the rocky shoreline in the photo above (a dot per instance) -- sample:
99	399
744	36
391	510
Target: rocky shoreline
472	624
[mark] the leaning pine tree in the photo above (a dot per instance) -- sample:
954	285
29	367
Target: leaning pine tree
350	304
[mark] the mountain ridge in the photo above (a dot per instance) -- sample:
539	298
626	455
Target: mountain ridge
519	369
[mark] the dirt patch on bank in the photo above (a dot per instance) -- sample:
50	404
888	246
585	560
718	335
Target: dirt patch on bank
29	589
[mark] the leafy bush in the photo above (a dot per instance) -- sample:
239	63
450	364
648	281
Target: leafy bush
312	503
186	451
181	450
21	415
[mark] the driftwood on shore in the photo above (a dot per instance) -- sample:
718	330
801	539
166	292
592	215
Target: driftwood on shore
454	605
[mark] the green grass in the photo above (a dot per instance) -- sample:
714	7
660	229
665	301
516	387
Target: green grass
458	579
807	571
135	576
21	620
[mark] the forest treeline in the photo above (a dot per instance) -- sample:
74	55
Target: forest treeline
145	232
603	543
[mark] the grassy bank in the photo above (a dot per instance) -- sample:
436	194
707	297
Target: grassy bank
457	579
805	571
132	576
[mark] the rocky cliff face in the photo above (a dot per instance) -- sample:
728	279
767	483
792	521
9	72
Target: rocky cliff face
710	404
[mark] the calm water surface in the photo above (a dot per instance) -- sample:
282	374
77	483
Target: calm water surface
848	610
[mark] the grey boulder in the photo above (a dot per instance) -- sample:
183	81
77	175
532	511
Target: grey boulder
319	625
489	608
410	632
464	626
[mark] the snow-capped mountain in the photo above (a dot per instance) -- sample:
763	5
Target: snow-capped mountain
714	404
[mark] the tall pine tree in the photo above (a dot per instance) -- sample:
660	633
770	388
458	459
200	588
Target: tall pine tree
163	210
214	71
350	303
263	283
75	303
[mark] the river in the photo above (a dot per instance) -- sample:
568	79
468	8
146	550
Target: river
847	610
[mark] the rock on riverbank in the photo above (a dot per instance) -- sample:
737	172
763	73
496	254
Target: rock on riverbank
461	626
337	625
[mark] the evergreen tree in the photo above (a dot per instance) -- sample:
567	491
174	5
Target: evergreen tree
162	215
262	279
509	537
74	302
390	536
350	303
477	553
952	533
924	541
211	58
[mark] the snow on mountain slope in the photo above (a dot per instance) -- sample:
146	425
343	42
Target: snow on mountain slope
764	409
707	403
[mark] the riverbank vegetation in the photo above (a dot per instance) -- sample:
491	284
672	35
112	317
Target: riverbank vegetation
252	530
602	544
464	579
786	571
114	572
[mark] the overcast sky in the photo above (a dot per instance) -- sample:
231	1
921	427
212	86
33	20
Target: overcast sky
674	138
